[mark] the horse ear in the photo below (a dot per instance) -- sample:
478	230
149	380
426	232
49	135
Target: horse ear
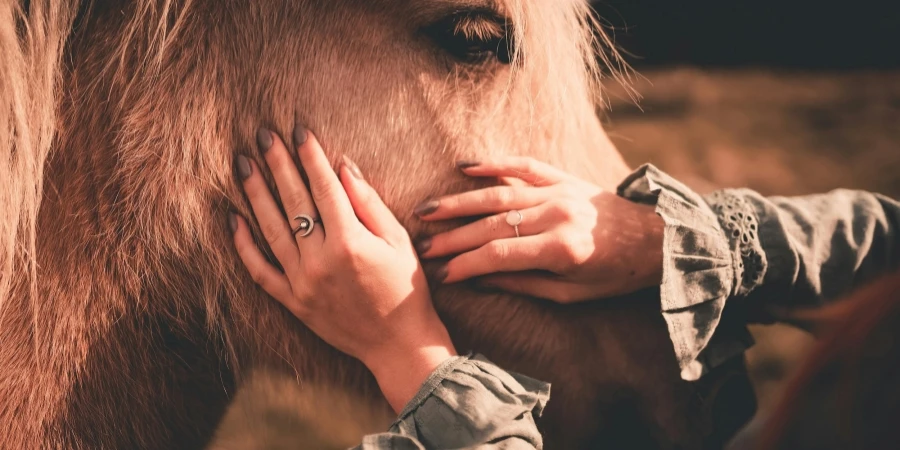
33	36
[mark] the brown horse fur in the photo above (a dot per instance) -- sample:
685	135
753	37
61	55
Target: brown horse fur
126	319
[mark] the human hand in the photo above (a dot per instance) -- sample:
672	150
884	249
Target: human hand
352	277
574	241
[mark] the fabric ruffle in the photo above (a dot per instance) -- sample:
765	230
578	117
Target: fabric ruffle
468	400
700	270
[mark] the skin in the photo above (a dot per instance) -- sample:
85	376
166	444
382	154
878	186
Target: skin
576	241
334	278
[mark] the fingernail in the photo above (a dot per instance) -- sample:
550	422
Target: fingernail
423	245
354	169
466	163
232	221
299	135
441	274
243	167
427	207
264	139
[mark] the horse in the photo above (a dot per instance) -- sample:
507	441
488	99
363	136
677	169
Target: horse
126	318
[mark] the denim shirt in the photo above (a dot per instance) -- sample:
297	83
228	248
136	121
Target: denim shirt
731	250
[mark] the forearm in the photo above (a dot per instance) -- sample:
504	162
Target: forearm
735	247
815	248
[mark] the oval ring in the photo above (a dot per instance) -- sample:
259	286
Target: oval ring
306	225
514	221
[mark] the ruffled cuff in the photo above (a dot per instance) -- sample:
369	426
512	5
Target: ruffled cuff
700	271
469	401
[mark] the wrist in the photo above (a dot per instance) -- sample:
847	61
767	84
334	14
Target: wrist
401	368
652	247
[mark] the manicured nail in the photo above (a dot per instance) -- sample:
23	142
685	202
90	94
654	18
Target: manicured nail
243	167
441	274
427	207
232	221
299	135
354	169
264	139
466	163
423	245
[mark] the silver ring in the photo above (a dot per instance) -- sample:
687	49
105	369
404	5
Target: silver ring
514	218
306	225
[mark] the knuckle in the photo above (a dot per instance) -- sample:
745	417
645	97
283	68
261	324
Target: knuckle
257	277
322	191
300	309
495	222
295	201
570	252
345	252
271	231
564	209
314	272
497	251
529	164
501	196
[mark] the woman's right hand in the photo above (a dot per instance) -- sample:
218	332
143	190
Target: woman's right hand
354	279
573	241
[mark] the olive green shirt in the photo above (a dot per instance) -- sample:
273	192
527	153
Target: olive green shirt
733	250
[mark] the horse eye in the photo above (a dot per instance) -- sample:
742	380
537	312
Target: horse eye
473	37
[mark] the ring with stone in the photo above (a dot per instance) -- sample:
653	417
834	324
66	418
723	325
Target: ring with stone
514	218
305	225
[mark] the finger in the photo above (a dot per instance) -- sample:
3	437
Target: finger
327	191
269	278
527	169
369	207
483	201
540	286
504	255
476	234
295	197
270	219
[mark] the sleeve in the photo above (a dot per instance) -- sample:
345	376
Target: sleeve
760	255
468	402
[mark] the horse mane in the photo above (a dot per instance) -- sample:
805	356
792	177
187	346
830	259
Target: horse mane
846	394
31	44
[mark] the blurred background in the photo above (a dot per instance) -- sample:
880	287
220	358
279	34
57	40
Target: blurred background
788	97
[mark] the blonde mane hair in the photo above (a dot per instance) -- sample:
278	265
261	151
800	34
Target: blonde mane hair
31	48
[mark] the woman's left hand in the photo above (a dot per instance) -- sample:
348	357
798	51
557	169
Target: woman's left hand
573	241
